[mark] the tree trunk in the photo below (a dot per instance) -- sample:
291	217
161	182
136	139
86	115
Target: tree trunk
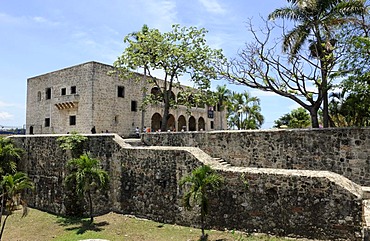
166	111
325	111
3	226
314	118
2	208
90	206
202	224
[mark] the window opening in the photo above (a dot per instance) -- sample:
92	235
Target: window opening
72	120
133	105
73	90
120	91
47	122
48	93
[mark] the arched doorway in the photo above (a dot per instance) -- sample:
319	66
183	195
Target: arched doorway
171	125
156	122
192	124
181	123
201	124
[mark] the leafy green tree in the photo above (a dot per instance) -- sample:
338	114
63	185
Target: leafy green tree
351	107
11	188
180	53
9	155
314	22
88	176
201	180
244	111
297	118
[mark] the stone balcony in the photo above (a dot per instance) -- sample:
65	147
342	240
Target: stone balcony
67	101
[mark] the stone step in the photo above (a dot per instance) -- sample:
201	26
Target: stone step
222	162
366	192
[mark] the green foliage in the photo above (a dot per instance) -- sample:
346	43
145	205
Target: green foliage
72	142
316	23
244	111
9	155
201	180
179	54
351	107
11	188
297	118
87	175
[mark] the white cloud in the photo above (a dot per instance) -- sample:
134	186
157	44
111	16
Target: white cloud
212	6
160	14
5	116
4	104
25	20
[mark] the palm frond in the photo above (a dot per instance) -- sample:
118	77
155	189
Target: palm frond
290	13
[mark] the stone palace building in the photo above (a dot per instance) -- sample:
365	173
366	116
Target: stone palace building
84	96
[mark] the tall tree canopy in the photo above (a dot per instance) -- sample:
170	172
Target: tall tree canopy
302	70
351	106
180	53
315	22
297	118
244	111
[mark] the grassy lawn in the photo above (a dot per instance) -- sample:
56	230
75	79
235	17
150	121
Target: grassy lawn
42	226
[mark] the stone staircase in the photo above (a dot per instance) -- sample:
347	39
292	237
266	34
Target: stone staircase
366	213
222	162
134	142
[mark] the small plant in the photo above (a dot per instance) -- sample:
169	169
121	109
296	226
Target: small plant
72	142
201	180
9	155
244	180
11	188
87	175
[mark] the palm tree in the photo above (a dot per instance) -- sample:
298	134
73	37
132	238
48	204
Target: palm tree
223	94
11	187
201	180
9	155
254	118
88	176
314	22
244	106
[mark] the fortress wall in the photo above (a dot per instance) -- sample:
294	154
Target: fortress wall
144	182
345	151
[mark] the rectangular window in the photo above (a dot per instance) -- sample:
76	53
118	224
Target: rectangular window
72	120
120	91
63	91
133	105
47	122
73	90
212	125
48	93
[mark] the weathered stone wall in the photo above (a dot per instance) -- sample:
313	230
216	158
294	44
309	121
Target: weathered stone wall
144	182
345	151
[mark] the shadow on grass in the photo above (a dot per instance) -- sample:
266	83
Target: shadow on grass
81	225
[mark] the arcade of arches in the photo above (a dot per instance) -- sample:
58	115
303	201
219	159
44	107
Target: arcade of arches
181	124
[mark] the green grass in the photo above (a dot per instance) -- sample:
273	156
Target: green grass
42	226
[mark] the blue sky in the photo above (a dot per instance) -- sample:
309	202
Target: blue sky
40	36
